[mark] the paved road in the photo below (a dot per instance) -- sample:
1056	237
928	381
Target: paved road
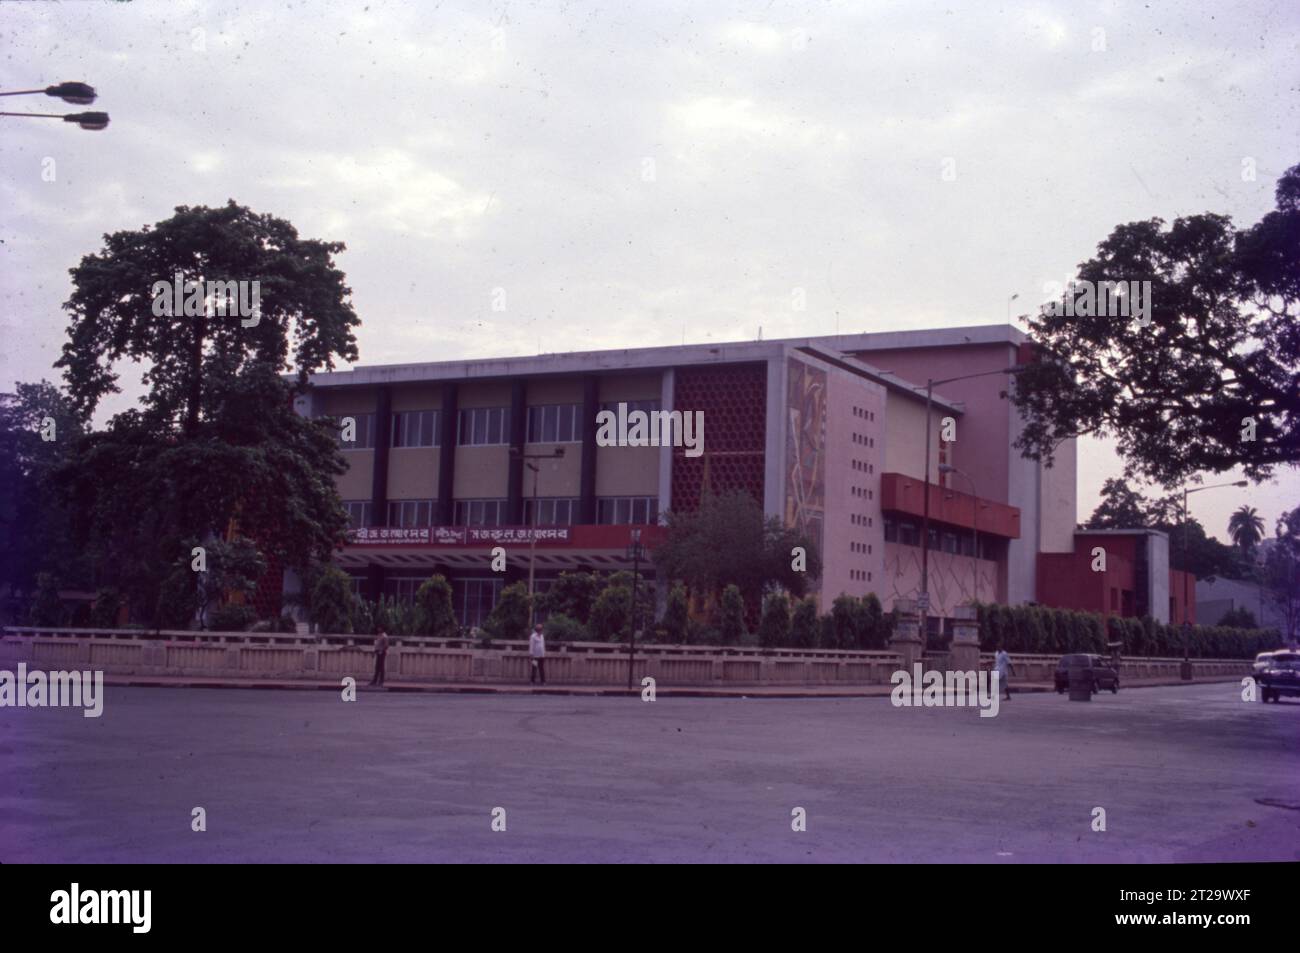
304	776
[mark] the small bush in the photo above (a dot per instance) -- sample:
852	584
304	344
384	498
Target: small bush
803	624
560	628
774	627
47	607
731	617
509	618
676	618
231	618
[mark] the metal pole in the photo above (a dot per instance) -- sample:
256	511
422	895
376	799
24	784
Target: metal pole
532	549
1187	628
975	539
925	519
631	620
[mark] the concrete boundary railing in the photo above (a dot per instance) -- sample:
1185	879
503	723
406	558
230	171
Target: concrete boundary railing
291	656
415	659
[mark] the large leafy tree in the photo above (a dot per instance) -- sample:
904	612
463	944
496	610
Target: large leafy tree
728	541
1281	571
39	430
305	319
215	448
1211	381
1123	507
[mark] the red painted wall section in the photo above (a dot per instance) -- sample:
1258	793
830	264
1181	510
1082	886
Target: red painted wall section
1181	611
901	493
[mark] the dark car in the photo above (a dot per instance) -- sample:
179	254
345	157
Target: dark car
1280	677
1099	668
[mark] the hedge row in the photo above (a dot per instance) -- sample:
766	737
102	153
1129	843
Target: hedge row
1043	630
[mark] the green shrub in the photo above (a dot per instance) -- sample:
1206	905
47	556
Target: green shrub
437	618
560	628
47	608
509	617
332	603
731	616
231	618
844	621
609	614
774	626
699	633
803	624
572	594
105	610
826	632
1239	618
873	631
676	616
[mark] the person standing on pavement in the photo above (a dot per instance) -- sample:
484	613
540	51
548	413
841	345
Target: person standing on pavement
381	653
537	654
1002	665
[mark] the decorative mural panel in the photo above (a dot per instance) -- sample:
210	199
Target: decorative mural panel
733	398
805	451
953	580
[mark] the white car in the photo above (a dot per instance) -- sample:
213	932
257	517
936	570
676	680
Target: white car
1262	660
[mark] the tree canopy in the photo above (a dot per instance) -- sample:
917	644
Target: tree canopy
728	541
215	448
1209	379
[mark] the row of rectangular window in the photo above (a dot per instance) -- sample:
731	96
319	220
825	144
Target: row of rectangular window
958	544
551	511
477	426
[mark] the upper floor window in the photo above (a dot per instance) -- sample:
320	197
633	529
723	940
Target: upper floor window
552	512
360	428
483	426
646	406
358	513
480	512
410	513
624	510
415	428
554	423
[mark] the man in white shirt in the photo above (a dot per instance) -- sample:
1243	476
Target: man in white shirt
537	652
1002	663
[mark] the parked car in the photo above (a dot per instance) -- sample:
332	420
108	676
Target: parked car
1101	670
1280	677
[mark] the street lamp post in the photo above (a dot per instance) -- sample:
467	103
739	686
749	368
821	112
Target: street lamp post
532	535
634	552
78	94
924	601
1185	670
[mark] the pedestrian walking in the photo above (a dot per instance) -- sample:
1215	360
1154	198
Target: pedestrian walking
537	654
381	653
1002	664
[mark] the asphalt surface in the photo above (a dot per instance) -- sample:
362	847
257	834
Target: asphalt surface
305	776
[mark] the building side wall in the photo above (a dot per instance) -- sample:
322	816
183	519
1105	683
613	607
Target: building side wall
855	450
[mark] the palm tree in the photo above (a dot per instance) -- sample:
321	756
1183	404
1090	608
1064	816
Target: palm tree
1246	527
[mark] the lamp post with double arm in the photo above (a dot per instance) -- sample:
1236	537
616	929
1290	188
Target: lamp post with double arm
1186	668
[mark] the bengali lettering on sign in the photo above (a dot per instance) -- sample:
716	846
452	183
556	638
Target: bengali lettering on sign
457	535
517	534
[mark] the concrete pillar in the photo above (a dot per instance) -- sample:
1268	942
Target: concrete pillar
906	640
964	652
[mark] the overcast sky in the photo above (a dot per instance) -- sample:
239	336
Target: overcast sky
634	174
